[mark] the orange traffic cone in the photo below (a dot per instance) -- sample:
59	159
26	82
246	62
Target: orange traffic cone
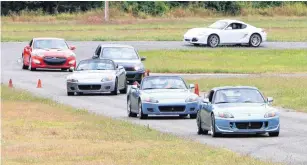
39	83
196	89
11	83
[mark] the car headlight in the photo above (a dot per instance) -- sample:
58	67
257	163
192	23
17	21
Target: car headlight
138	67
38	54
191	99
225	115
150	100
106	79
72	80
270	114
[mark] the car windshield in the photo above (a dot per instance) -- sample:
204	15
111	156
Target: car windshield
163	82
218	25
50	44
119	53
241	95
96	65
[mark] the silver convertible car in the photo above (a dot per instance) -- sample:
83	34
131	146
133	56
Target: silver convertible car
162	95
237	110
97	76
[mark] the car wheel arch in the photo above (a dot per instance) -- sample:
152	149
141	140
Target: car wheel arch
257	34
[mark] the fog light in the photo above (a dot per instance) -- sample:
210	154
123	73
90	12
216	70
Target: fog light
36	61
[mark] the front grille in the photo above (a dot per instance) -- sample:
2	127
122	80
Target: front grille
89	87
129	69
130	75
249	125
54	60
174	108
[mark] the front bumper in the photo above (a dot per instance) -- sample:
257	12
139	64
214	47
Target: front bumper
90	87
196	39
134	76
233	126
63	62
170	109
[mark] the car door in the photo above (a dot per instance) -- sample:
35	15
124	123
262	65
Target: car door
206	111
233	35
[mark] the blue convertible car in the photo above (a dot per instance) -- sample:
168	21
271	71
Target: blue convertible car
237	110
162	95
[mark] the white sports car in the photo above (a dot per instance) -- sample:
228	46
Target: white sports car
224	32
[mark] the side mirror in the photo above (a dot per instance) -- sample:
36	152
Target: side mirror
270	100
72	47
192	86
206	100
95	56
143	58
229	28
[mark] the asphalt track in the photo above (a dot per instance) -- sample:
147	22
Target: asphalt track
289	147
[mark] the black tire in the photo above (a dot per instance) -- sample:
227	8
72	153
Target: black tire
200	130
124	91
63	69
274	134
24	66
70	93
114	92
130	114
213	40
255	40
141	115
193	116
213	133
30	65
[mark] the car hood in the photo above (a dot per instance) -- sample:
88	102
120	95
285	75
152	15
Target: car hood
168	94
53	52
197	31
92	74
244	109
127	63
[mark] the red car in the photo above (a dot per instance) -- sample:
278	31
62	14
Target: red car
50	53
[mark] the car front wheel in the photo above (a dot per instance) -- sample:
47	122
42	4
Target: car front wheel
213	131
141	115
213	40
255	40
273	134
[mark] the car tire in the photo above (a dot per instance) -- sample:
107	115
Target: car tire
255	40
63	69
213	40
23	63
130	114
200	130
193	116
141	115
30	65
274	134
213	133
70	93
124	91
114	92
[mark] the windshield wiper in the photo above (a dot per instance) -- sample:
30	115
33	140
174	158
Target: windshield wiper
222	102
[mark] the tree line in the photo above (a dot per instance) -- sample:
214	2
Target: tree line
153	8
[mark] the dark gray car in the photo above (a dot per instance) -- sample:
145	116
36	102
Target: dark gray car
125	56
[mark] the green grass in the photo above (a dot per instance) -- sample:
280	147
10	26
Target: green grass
155	29
40	131
226	60
287	92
